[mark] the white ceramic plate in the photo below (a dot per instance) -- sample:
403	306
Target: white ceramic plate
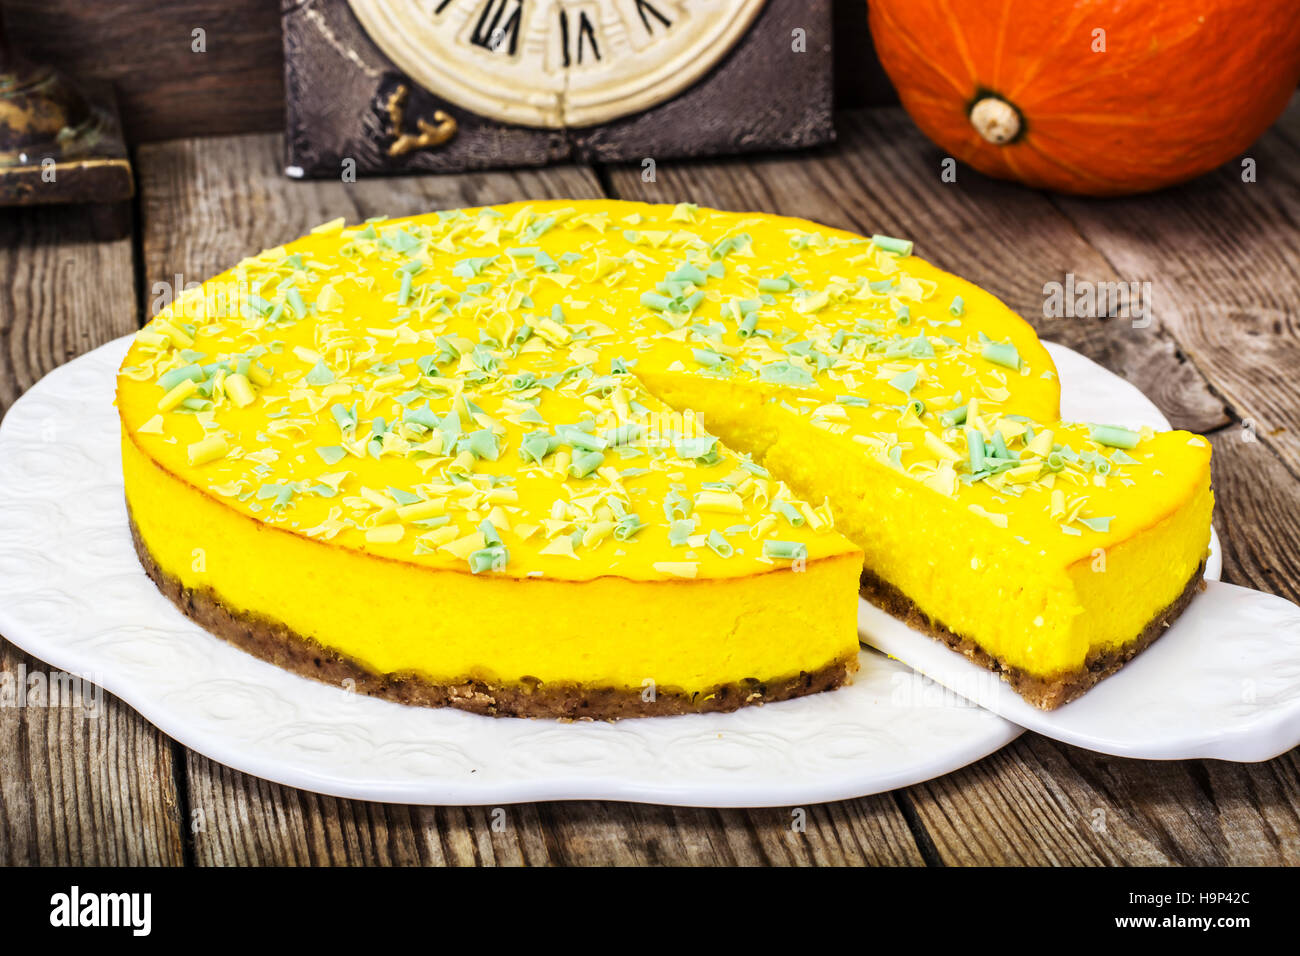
1223	682
72	593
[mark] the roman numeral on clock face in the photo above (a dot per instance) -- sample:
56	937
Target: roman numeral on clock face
497	28
577	37
648	14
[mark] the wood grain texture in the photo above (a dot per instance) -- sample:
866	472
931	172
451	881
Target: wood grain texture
1223	257
145	48
1257	512
77	784
1041	803
247	821
63	293
206	203
84	785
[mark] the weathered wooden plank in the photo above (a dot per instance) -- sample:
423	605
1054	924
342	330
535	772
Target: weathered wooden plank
869	831
80	784
1257	512
147	49
206	203
885	177
89	784
64	292
1223	258
1041	803
247	821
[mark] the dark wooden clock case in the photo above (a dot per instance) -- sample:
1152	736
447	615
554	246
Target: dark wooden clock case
763	95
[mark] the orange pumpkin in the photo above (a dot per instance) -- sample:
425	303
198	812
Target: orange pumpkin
1101	97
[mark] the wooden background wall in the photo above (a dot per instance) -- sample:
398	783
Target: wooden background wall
168	91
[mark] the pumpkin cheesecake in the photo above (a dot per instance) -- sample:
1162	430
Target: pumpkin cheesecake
606	459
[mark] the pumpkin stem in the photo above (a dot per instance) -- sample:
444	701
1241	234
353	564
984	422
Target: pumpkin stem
995	119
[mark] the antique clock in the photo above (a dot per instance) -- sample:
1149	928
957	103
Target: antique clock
445	85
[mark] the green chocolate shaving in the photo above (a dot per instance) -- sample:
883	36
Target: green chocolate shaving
901	247
785	550
1002	353
585	462
320	374
975	444
1114	436
906	381
720	545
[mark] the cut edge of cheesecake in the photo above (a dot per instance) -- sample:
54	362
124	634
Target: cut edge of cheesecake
276	643
1045	693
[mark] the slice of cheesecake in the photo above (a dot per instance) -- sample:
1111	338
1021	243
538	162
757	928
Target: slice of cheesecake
1051	553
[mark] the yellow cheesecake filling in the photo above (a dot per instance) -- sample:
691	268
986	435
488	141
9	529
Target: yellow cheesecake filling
448	626
474	444
1044	567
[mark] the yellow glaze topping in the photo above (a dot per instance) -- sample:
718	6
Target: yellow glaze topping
521	392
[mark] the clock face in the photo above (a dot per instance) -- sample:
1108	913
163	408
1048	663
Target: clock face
555	63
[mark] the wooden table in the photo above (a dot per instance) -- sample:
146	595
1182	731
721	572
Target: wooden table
1222	358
